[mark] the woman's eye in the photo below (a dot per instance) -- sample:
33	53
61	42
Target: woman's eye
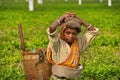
74	33
67	32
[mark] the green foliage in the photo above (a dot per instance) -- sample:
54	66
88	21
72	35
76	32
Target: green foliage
102	59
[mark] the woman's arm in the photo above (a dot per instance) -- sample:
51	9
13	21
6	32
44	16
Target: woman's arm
88	26
58	22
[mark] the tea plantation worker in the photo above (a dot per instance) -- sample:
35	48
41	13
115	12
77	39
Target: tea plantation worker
65	47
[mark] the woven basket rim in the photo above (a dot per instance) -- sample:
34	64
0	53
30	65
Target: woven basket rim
28	52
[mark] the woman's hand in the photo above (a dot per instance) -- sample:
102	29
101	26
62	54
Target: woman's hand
62	18
72	15
67	14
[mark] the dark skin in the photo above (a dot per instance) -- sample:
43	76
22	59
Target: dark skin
69	33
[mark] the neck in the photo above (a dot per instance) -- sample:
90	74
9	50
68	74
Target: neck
69	44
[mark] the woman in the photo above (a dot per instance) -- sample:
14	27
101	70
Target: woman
64	49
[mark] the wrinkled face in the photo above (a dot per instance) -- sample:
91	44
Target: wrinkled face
69	35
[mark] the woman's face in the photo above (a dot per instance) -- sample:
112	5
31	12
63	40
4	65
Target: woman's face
69	35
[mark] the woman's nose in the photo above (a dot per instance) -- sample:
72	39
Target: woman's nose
70	35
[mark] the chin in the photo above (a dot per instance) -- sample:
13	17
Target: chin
70	42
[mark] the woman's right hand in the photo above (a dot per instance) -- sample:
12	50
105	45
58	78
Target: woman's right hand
62	18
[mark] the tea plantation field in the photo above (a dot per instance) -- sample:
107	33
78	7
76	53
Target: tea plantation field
101	60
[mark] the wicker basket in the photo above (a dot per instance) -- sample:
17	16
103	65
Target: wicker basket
36	66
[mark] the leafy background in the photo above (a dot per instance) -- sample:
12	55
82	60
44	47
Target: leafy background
101	60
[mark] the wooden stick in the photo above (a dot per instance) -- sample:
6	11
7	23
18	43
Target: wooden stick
21	37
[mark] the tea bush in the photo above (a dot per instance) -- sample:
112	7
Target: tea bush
100	60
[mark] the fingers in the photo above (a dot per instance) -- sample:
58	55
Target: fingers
71	14
66	15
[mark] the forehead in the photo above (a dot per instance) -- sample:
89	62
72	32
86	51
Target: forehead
70	30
